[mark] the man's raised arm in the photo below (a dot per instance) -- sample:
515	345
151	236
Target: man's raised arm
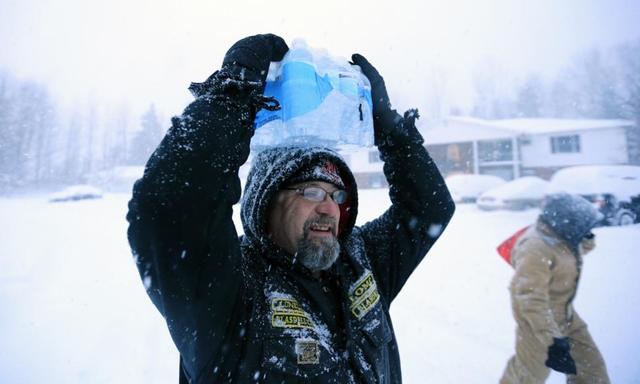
421	204
181	230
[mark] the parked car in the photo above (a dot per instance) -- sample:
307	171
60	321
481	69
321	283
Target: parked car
615	212
465	188
522	193
634	206
76	192
609	188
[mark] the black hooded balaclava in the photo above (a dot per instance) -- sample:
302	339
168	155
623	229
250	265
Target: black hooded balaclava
570	217
273	168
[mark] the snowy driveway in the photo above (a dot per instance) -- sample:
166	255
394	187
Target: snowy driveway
72	309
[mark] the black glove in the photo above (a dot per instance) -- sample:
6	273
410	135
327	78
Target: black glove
558	357
379	96
247	60
386	121
254	53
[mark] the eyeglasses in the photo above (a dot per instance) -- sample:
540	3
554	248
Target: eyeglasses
317	194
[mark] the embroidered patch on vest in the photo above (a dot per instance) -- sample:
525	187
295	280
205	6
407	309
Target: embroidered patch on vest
287	313
308	351
363	295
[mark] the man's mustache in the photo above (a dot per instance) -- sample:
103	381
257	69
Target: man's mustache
323	221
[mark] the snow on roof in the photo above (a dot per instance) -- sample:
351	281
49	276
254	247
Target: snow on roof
533	126
462	129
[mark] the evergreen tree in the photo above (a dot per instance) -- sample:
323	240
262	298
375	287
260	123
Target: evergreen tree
147	139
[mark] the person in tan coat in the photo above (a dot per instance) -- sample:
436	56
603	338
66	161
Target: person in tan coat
548	259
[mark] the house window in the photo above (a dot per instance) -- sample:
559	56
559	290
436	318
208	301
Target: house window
374	157
498	150
453	153
565	144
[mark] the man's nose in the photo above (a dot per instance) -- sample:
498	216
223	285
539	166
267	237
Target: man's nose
328	207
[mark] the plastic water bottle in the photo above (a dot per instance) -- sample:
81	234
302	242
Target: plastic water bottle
299	88
324	100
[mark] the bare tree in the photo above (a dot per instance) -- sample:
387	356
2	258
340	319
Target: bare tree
530	98
44	138
72	151
492	93
8	134
628	56
116	137
90	128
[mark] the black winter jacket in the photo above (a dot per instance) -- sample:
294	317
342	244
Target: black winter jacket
240	309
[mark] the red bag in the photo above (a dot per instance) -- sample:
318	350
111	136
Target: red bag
505	248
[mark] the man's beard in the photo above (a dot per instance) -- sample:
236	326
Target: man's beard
320	253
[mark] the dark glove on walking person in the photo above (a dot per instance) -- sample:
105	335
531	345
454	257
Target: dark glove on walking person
558	357
248	60
386	121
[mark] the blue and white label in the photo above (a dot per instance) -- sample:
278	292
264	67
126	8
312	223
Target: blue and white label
322	101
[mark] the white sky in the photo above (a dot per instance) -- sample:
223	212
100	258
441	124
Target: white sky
142	51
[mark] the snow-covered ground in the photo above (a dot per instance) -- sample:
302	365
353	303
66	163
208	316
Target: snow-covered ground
72	309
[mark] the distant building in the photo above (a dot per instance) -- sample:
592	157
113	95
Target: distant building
508	148
522	147
366	165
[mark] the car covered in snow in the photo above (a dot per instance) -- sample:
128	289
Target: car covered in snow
610	188
522	193
634	206
75	193
465	188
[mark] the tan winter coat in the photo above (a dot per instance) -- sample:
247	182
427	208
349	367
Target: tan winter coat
542	290
545	282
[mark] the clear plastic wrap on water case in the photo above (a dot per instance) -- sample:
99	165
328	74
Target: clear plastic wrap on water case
324	100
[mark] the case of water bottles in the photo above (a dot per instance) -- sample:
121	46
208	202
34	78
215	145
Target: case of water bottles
324	100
